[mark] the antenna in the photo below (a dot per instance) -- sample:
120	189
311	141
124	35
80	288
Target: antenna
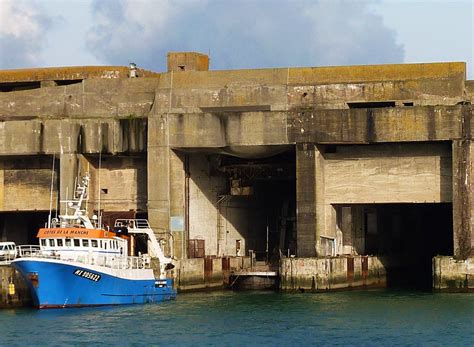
67	197
87	197
51	192
98	204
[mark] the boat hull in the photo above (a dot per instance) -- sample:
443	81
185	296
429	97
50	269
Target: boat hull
56	283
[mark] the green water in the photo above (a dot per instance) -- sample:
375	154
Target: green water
376	317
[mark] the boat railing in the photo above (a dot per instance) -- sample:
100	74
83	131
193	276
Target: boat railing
132	223
7	258
109	261
28	251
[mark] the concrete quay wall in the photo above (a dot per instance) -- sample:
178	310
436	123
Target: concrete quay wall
21	297
331	273
451	275
206	273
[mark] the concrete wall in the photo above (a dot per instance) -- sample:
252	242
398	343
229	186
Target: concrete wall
322	274
451	275
204	190
411	173
25	183
122	181
219	219
22	295
199	273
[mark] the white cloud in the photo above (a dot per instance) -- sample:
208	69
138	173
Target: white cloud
22	29
243	33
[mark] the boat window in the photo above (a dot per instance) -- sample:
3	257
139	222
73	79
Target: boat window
60	242
105	244
85	243
94	243
77	243
101	246
43	242
52	242
68	242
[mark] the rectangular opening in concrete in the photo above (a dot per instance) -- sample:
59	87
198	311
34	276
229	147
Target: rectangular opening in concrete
67	82
262	193
16	86
22	227
242	207
371	104
405	237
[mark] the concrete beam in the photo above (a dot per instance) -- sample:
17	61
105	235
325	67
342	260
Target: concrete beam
371	125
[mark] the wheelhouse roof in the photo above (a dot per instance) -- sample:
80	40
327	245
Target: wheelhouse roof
48	233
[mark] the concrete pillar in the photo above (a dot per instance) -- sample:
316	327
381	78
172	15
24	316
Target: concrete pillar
67	177
166	186
158	174
68	139
462	155
306	200
178	190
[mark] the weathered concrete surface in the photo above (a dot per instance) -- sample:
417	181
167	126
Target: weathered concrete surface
187	61
206	273
470	90
451	275
401	124
25	183
415	173
463	188
22	295
190	274
69	73
330	273
306	199
37	137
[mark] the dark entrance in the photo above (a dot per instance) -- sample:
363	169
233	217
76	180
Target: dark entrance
406	237
265	190
22	227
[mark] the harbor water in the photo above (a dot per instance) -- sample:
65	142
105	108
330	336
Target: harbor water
374	317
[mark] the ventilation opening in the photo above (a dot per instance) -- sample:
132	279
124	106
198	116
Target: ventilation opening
16	86
376	104
330	149
67	82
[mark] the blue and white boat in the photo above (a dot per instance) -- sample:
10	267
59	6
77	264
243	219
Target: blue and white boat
79	263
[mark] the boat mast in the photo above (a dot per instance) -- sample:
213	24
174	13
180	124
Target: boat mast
51	192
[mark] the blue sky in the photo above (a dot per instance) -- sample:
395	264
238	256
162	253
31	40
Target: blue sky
236	33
